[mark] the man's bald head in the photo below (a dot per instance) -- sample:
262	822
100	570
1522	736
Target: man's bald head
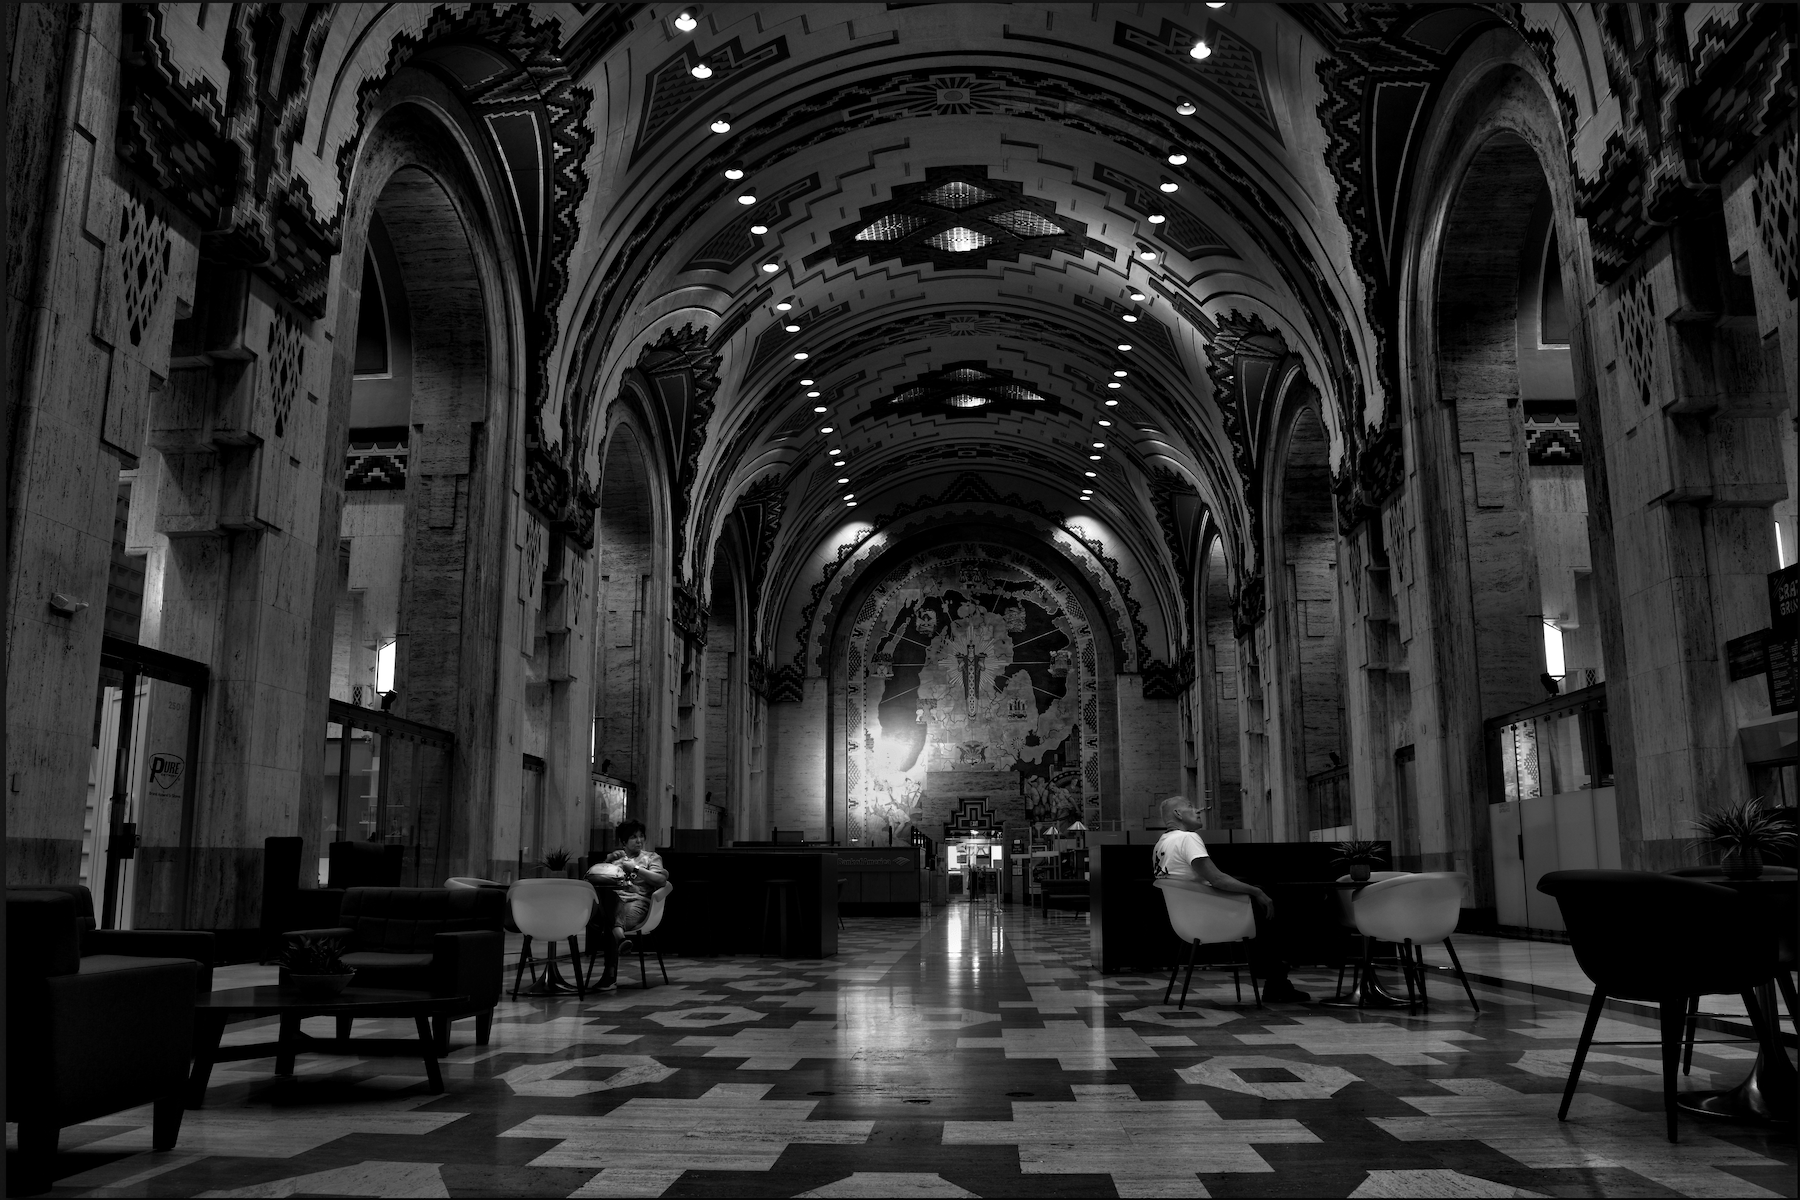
1173	809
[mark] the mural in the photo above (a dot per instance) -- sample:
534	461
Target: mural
971	671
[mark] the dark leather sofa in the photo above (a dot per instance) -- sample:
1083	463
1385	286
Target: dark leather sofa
287	905
446	941
96	1021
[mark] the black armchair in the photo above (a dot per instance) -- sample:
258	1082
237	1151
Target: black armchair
88	1035
138	943
1640	935
446	941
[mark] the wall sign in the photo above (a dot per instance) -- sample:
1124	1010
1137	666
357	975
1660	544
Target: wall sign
1784	639
1748	655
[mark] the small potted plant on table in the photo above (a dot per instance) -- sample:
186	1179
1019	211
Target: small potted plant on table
1744	834
557	862
315	965
1358	855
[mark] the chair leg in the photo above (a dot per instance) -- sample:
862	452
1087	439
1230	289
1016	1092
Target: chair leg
644	967
1419	971
1237	985
662	966
165	1120
1255	992
1403	956
1457	963
524	957
1365	971
440	1034
1188	980
1693	1023
343	1028
1173	972
484	1025
1785	982
575	966
1581	1050
1671	1012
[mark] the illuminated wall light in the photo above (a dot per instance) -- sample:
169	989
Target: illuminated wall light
1177	158
806	383
1157	218
1125	345
1120	373
1093	458
685	22
1115	384
1104	421
1130	318
759	230
734	171
800	355
849	504
1217	4
810	395
722	123
1185	107
849	495
1092	474
836	452
1138	296
700	71
1147	255
825	429
1169	185
747	196
818	408
1099	445
838	463
844	479
784	306
771	267
1200	50
1112	403
791	328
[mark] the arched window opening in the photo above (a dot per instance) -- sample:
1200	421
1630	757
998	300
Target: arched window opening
621	698
1314	662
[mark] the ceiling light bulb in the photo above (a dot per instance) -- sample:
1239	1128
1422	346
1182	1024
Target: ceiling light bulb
722	123
825	429
759	230
850	504
1115	384
734	171
1177	158
771	267
1112	404
685	22
1082	499
700	71
1147	255
844	479
1131	318
849	495
1094	457
1105	422
799	356
1157	218
838	463
1091	474
810	395
1099	445
1120	373
783	306
818	408
1169	185
1124	345
1218	4
1200	50
836	452
806	383
791	328
1138	296
747	196
1185	107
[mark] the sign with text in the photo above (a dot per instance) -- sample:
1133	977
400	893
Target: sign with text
1783	644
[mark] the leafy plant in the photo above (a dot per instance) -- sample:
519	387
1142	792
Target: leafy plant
1358	850
556	860
1746	828
308	955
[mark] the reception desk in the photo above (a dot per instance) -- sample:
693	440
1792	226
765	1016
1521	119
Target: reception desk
1129	925
719	898
879	881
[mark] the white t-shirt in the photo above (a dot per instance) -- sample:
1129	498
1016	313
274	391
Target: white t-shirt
1176	851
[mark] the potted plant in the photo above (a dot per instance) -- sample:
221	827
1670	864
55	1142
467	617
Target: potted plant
557	862
1358	855
1743	834
315	965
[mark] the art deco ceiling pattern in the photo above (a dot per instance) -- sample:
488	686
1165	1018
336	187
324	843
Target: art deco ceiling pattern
940	239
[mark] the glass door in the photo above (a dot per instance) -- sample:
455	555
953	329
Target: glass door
387	780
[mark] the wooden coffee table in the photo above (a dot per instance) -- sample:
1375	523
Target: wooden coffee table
212	1011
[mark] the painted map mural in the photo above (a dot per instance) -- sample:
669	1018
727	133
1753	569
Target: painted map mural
971	673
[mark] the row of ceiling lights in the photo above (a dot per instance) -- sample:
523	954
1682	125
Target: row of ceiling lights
721	124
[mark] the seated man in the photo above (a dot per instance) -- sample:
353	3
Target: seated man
624	881
1180	852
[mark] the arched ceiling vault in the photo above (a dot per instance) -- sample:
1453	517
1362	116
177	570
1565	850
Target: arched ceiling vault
955	203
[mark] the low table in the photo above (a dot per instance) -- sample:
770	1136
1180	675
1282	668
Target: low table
212	1011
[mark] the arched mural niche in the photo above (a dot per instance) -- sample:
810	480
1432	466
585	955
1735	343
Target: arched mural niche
971	669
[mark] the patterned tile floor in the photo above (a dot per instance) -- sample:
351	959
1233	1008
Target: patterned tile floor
971	1052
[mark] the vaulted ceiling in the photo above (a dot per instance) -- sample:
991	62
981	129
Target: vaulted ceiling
965	238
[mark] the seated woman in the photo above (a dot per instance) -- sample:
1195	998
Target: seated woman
624	881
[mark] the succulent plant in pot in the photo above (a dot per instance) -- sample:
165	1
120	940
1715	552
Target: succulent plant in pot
1358	855
316	964
1743	835
557	862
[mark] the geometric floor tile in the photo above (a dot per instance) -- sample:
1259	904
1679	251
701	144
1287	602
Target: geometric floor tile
1437	1182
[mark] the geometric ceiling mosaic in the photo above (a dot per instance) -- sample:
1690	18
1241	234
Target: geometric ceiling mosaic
961	390
959	218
